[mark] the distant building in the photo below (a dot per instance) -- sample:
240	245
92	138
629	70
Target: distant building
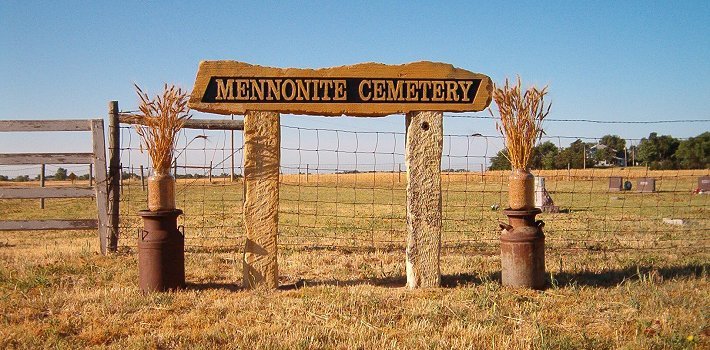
617	161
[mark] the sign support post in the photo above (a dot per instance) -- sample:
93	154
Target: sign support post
423	157
262	149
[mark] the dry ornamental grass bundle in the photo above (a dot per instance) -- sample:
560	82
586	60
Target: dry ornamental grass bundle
521	116
162	119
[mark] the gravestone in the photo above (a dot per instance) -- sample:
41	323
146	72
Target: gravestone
543	200
615	183
646	184
704	183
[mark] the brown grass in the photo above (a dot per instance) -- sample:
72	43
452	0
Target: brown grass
521	116
56	291
162	119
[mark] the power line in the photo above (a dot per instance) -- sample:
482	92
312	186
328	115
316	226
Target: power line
592	120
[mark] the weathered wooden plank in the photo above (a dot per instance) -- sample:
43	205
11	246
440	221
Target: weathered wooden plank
261	197
367	89
31	225
45	192
45	125
45	158
207	124
424	142
107	230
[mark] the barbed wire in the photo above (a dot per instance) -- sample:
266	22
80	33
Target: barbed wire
566	120
595	121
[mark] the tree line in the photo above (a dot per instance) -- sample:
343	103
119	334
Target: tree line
656	152
61	174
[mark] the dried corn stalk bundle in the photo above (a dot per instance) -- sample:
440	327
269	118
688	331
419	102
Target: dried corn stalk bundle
160	122
521	116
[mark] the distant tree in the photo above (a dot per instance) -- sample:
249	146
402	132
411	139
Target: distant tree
633	151
3	178
500	161
609	149
22	178
544	155
72	177
574	156
126	175
658	152
694	153
61	174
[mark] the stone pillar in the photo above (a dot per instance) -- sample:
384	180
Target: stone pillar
424	142
262	142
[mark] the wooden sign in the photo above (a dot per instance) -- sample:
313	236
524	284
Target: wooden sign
367	89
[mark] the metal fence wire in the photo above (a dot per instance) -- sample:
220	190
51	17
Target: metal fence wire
346	189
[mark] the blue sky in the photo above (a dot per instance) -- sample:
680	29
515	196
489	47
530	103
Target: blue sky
602	60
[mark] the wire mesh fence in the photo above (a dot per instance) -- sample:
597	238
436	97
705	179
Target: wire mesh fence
346	188
208	187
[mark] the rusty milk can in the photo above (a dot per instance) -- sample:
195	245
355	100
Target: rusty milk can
161	251
522	250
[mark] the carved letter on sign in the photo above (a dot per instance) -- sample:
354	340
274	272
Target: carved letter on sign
367	89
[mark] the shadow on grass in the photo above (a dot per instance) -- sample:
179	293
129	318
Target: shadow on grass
604	279
389	282
463	279
611	278
447	281
231	287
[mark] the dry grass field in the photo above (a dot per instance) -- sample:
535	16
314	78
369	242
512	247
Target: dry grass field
619	277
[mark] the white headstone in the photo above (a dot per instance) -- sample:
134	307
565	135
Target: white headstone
539	191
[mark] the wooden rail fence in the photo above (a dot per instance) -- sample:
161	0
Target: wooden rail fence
97	158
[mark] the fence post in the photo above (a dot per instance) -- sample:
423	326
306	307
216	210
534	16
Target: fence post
210	174
424	143
307	171
91	175
41	184
142	179
262	139
114	174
